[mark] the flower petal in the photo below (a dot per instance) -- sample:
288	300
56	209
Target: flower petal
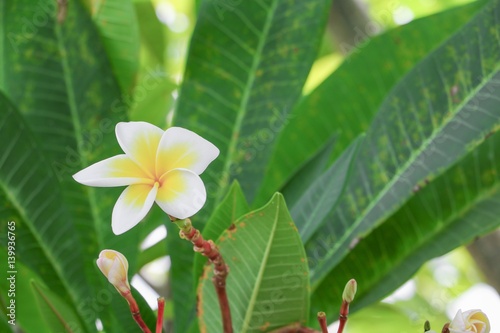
132	206
458	323
118	170
139	140
181	194
182	149
478	319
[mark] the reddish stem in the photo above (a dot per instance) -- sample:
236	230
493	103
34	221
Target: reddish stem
322	322
221	270
134	309
159	319
344	311
446	328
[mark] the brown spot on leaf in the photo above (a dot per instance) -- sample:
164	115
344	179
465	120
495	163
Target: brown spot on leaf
264	327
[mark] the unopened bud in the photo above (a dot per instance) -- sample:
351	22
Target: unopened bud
114	266
350	291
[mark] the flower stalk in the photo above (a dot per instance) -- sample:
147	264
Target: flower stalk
347	298
134	310
322	322
221	270
114	266
159	319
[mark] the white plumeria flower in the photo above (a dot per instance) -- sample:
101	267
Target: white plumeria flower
158	166
472	321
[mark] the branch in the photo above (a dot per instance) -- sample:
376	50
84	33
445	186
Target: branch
134	309
159	319
221	270
485	252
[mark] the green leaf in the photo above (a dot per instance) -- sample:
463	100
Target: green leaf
119	30
153	97
323	194
5	326
224	216
36	196
346	102
58	315
450	211
22	312
32	255
181	279
56	74
245	69
440	111
152	31
268	285
301	180
229	210
237	92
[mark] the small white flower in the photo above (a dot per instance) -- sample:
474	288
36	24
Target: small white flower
472	321
158	166
114	266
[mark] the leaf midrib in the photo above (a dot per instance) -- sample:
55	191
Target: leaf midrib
255	291
419	151
73	108
246	96
22	212
58	315
47	252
